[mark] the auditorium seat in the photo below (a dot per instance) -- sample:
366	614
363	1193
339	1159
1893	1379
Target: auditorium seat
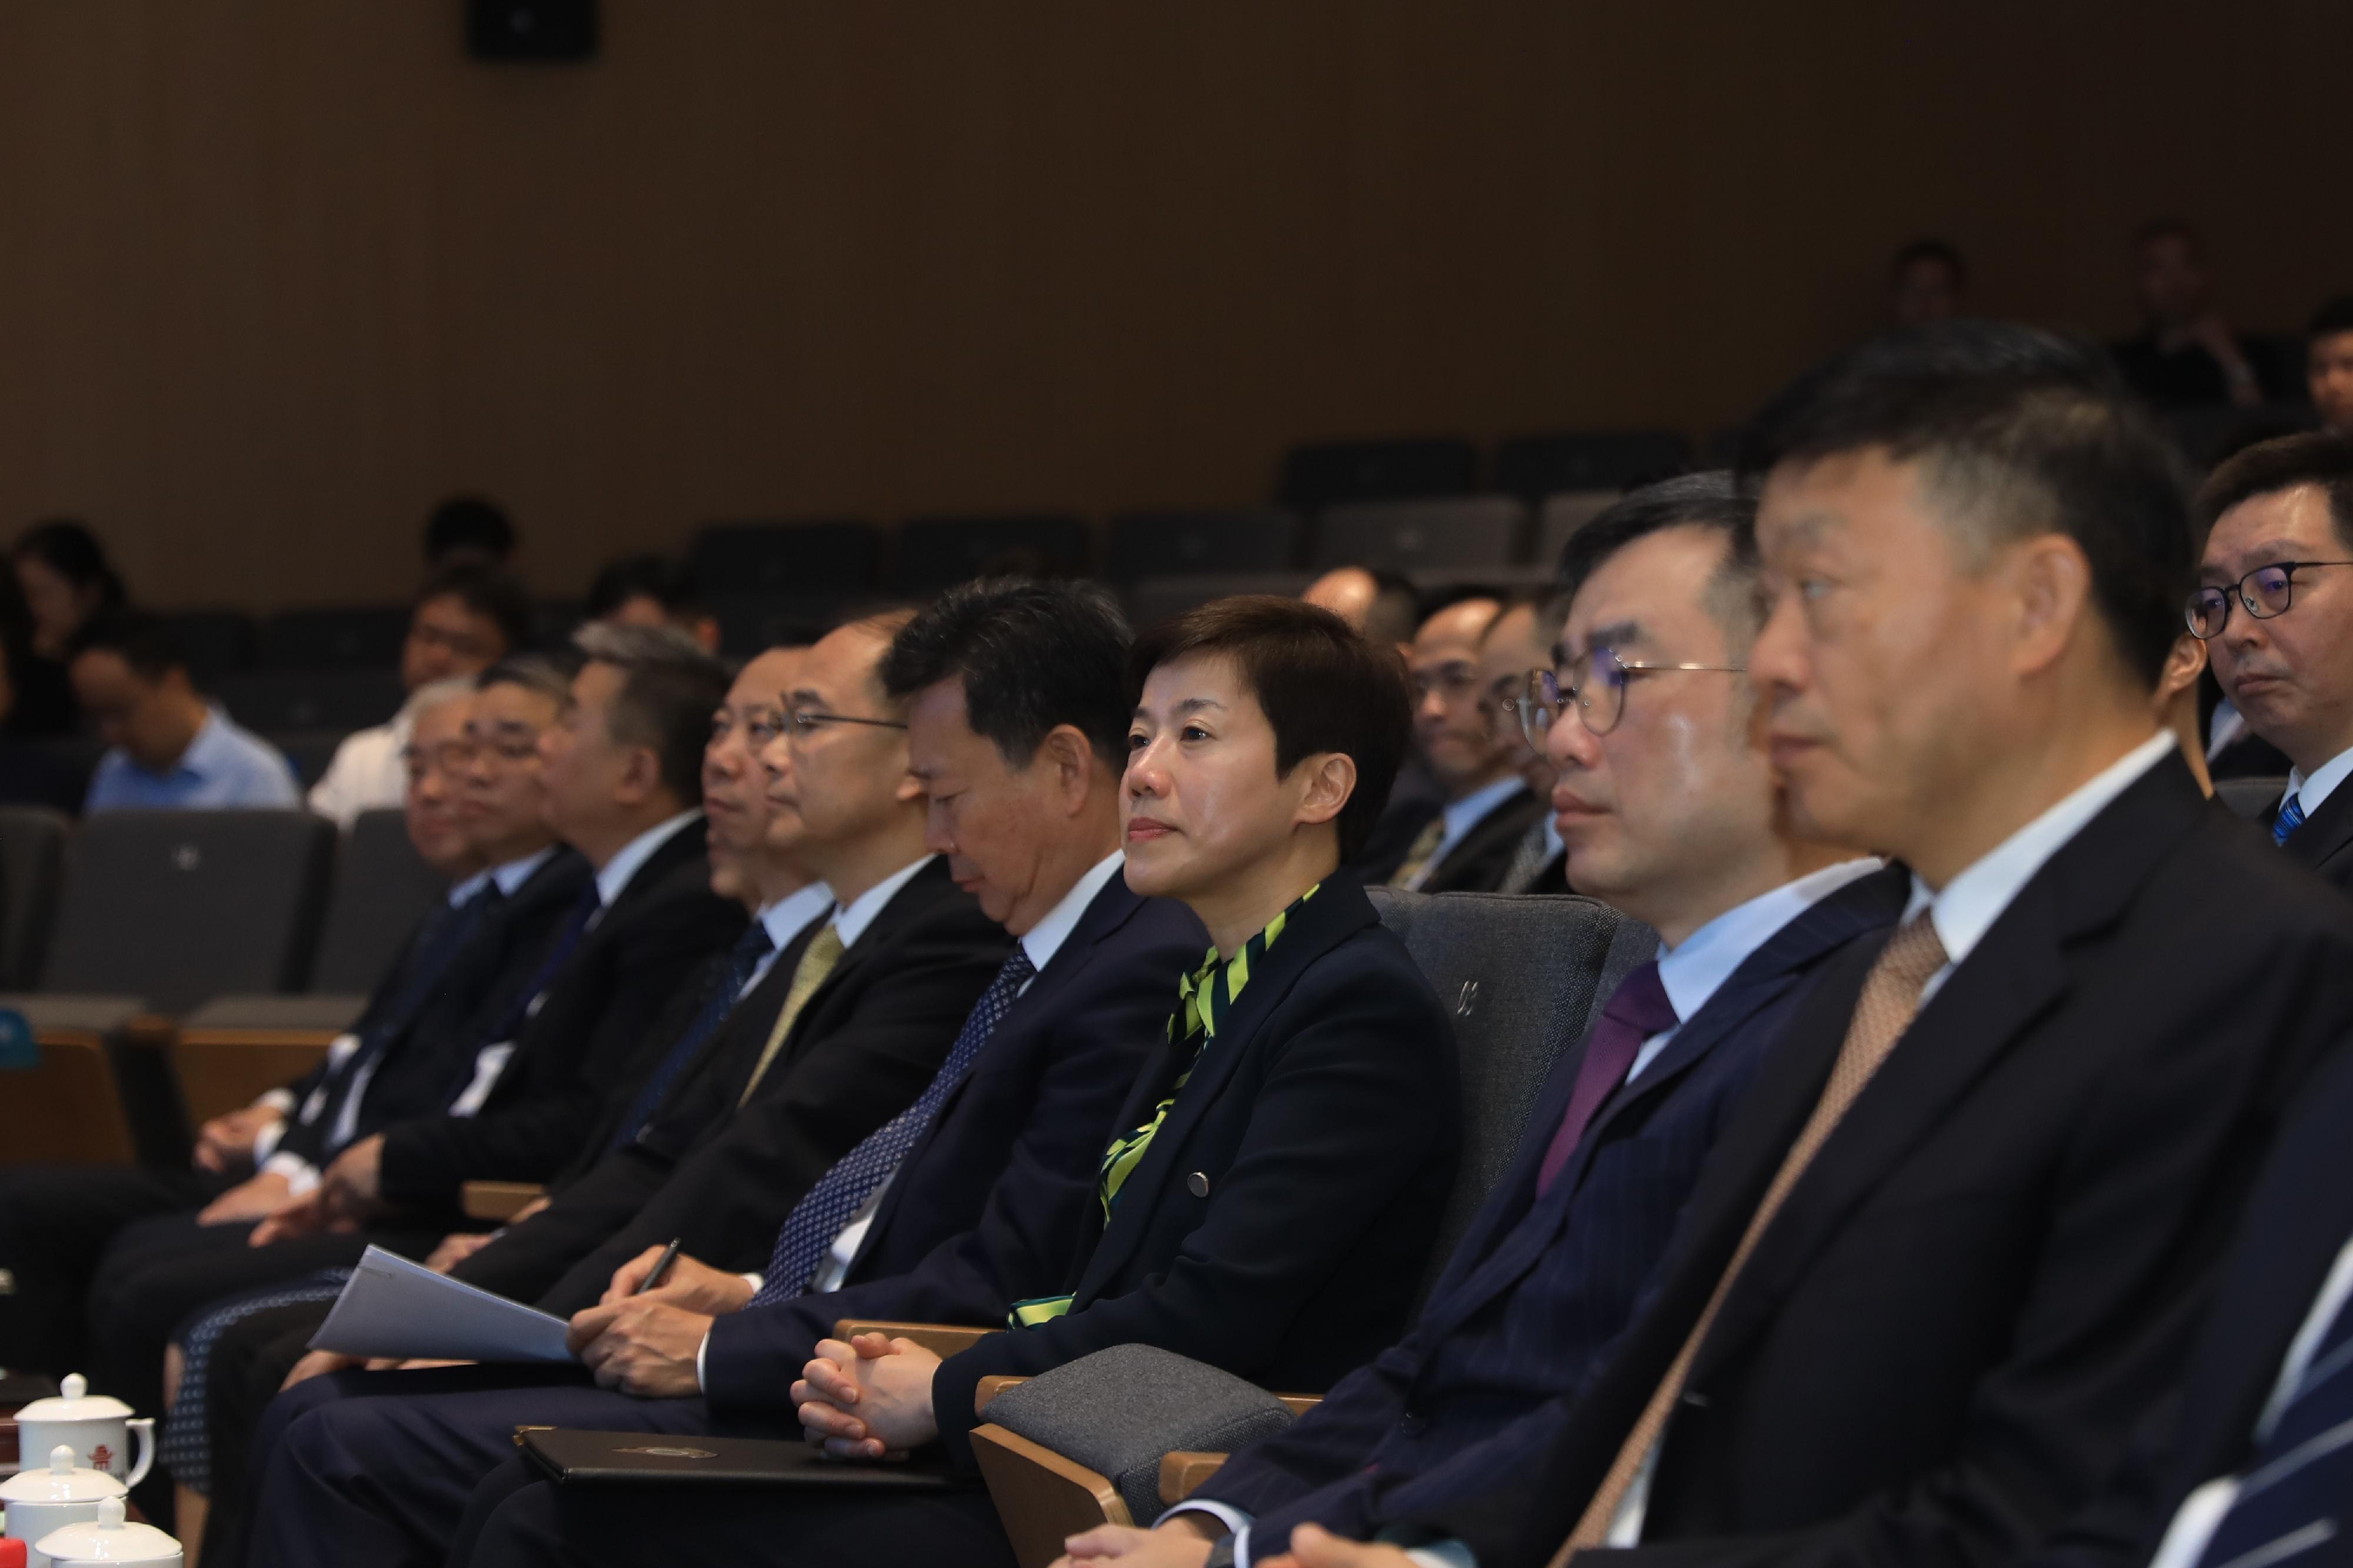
1157	598
1317	474
214	641
1465	533
1562	515
276	700
938	551
308	751
2251	798
33	841
383	888
1176	544
800	556
750	623
66	1108
1533	467
350	636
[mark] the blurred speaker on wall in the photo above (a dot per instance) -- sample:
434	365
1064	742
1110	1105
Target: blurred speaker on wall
531	30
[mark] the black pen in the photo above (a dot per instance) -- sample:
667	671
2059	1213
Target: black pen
662	1267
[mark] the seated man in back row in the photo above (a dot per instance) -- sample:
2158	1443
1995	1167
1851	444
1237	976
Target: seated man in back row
167	747
1667	806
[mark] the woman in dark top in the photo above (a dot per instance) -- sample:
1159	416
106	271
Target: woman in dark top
61	579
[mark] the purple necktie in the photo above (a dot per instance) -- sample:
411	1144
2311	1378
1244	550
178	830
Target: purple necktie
1638	1009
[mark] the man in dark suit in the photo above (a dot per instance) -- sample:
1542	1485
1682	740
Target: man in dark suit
1669	810
1487	807
1519	642
1950	1251
620	769
1016	702
2275	606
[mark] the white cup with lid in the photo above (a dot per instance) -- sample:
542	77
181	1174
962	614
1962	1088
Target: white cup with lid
107	1539
96	1428
44	1500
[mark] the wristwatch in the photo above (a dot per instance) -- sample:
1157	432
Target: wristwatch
1222	1554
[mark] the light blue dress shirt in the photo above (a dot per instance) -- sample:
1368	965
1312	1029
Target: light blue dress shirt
223	767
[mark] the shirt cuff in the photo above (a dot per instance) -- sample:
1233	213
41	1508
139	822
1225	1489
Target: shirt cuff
753	1281
299	1173
266	1142
1442	1554
280	1101
1237	1523
699	1352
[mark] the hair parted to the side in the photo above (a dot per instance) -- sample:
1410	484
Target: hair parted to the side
1712	501
670	687
1031	656
549	674
488	592
2320	458
2016	432
146	642
1322	687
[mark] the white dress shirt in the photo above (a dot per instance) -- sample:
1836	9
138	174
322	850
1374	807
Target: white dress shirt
785	920
2309	793
1458	817
369	772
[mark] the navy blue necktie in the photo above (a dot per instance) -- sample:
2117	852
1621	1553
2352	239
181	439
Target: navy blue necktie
2290	819
2298	1489
724	983
841	1192
444	934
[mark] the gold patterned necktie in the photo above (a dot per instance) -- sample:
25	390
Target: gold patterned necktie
1890	999
817	960
1417	859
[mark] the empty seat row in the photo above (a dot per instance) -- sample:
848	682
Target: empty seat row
1319	474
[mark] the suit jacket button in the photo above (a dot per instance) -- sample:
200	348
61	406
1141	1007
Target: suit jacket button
1197	1184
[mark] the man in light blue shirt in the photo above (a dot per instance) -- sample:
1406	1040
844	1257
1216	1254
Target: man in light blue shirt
168	749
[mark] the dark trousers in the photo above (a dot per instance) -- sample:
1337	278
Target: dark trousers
56	1225
519	1520
250	1361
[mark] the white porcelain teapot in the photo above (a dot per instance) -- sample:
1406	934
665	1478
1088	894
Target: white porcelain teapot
96	1428
107	1539
52	1497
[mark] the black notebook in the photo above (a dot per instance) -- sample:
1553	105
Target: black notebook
651	1458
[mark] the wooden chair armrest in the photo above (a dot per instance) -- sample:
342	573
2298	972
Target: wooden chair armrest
1183	1473
942	1340
1301	1404
1042	1498
988	1388
499	1202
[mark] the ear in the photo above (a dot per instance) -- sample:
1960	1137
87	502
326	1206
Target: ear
640	776
2183	666
1328	779
1068	767
2052	582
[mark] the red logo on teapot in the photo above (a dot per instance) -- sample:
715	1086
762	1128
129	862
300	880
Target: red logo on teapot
101	1457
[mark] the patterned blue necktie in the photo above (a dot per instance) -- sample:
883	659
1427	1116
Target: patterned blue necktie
2290	819
2297	1491
841	1192
724	984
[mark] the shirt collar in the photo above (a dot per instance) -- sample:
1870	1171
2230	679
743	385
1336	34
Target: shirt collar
851	923
1966	908
206	750
511	876
2310	792
614	876
787	917
1045	938
1461	816
1694	969
468	888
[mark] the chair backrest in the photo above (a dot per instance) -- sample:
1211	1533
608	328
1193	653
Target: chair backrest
2250	798
1157	598
309	752
172	907
383	888
1465	533
807	555
1561	516
751	623
1168	543
1523	978
934	552
32	865
283	699
1532	466
355	637
1317	474
214	641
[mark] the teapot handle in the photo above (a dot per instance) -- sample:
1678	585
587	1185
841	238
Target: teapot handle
143	1428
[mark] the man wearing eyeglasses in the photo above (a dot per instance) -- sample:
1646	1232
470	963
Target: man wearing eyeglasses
1517	642
1469	845
1668	808
2274	604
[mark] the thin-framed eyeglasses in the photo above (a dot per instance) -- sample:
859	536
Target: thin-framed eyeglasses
1596	681
760	725
799	721
2266	592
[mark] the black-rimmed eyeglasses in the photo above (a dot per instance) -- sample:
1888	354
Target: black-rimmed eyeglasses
2266	591
1596	681
800	722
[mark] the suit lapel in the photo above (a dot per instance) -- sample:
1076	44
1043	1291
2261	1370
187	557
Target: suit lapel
2013	978
2327	833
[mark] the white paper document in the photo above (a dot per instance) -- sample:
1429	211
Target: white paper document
395	1308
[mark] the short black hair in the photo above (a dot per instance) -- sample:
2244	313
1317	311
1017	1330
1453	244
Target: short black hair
489	593
145	642
2320	458
550	675
2017	431
1031	656
1712	500
468	525
1937	250
666	580
1322	687
1445	598
670	687
66	546
2334	317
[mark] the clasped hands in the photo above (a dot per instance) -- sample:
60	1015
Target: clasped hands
1178	1546
869	1398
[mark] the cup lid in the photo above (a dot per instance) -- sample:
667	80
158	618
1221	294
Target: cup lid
59	1481
108	1539
74	1401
